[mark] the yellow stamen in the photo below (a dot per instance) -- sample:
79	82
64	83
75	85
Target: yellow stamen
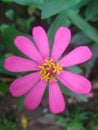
49	69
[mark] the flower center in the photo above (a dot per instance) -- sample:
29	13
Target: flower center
49	69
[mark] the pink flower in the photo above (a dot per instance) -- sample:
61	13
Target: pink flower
47	69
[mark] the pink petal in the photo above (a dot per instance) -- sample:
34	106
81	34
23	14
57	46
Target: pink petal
77	56
61	41
19	64
56	99
34	98
41	41
76	83
22	85
26	46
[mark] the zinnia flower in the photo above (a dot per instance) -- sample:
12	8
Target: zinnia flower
46	68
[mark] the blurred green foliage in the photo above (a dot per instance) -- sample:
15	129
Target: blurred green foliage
81	16
6	124
79	119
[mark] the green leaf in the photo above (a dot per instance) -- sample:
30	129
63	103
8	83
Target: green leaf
66	91
80	38
90	64
20	105
83	25
37	3
91	10
4	88
9	33
60	20
75	125
52	7
75	69
10	14
81	4
63	121
25	23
